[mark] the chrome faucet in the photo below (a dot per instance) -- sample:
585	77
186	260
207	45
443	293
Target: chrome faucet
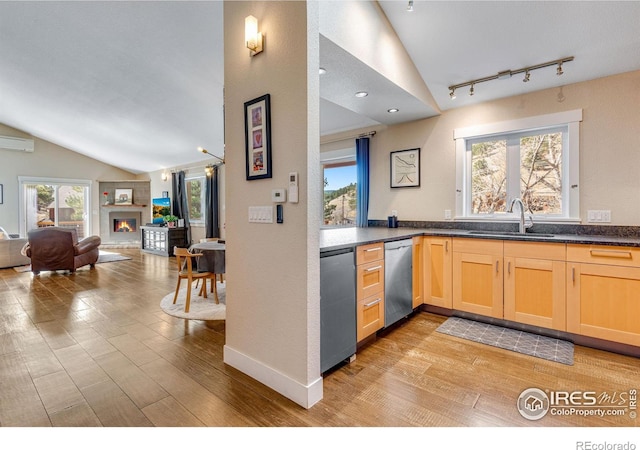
522	228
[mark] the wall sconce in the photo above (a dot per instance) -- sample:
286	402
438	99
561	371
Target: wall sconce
164	176
205	151
208	170
252	37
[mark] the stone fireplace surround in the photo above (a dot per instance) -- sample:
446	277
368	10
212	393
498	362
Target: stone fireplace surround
139	210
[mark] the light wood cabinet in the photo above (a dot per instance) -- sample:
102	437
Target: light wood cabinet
418	271
437	271
478	276
603	292
369	289
534	284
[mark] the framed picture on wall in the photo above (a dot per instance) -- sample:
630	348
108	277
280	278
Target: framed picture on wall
123	197
257	128
405	168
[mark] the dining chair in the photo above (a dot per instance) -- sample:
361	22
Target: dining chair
184	258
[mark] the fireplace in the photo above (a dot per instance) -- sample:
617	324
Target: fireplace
127	225
124	227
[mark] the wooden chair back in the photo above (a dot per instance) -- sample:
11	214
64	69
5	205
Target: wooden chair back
184	258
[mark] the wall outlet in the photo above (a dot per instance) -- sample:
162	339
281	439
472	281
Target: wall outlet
447	214
599	215
394	212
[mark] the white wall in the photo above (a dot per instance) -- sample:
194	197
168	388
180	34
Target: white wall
273	318
49	160
609	149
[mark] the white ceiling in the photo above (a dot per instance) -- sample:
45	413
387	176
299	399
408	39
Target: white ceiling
139	84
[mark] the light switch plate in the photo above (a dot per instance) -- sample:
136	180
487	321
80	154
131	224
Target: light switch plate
599	215
261	214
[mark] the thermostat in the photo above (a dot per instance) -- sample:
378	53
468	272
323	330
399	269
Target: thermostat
278	195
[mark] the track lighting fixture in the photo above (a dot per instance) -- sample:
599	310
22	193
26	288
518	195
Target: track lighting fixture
508	73
410	6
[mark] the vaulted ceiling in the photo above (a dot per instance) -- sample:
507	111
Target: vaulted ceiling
140	84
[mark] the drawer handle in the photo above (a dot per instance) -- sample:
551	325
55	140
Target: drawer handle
624	254
509	267
446	246
372	269
375	249
370	304
497	266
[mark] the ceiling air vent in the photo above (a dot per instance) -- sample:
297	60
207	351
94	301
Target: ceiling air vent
16	144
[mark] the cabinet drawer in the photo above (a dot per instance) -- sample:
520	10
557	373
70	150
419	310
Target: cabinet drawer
370	252
370	279
536	250
479	246
604	254
370	315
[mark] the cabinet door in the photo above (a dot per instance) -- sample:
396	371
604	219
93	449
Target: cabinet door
604	302
437	271
418	271
370	315
477	277
534	292
370	279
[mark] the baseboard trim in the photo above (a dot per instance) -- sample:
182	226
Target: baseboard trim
305	396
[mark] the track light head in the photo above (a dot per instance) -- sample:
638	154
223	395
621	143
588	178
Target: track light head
527	76
452	94
471	90
410	6
559	71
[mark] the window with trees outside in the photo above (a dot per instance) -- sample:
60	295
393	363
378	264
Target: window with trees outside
48	202
196	199
340	194
537	165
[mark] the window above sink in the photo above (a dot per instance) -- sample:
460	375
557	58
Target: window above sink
535	159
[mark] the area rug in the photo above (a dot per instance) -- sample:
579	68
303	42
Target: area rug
104	257
518	341
200	308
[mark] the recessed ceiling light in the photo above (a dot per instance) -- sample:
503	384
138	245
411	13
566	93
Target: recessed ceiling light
322	70
361	94
393	110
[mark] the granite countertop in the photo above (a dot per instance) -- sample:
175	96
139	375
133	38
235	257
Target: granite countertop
338	238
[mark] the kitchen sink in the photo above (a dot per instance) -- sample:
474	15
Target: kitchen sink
509	233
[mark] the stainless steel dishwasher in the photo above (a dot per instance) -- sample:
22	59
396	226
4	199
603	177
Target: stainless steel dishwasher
398	280
337	307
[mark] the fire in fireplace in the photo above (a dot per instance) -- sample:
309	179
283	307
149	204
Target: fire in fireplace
124	225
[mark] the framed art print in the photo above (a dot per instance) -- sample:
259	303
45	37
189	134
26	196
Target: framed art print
257	127
405	168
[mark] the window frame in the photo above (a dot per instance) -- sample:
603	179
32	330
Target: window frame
463	137
203	199
23	181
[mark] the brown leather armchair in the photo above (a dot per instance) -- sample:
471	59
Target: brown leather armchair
56	248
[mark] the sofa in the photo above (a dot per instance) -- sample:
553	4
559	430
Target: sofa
57	248
10	248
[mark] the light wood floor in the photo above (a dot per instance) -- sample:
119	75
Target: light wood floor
94	349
